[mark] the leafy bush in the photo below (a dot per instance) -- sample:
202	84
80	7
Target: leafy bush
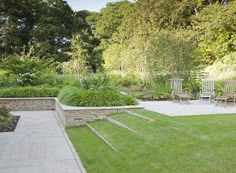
7	81
125	81
224	68
25	69
26	79
52	79
157	87
192	85
215	26
5	118
4	111
219	86
75	96
130	79
41	91
170	53
95	81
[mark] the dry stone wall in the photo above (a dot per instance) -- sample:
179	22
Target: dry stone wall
28	104
68	115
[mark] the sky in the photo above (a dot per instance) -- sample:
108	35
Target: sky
91	5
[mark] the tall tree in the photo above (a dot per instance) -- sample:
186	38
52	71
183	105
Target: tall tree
77	65
216	31
53	31
17	19
111	18
84	28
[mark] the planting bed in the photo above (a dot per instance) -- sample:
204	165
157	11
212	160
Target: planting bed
11	127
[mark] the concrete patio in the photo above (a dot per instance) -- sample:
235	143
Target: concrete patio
194	108
38	145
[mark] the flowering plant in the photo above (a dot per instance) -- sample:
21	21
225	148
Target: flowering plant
26	79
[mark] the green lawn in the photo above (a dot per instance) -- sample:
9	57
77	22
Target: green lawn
193	144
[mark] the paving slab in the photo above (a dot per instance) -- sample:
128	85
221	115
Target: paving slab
194	108
38	145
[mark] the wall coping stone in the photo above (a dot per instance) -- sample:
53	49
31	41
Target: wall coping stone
26	98
74	108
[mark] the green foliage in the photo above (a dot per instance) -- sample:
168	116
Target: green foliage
24	69
77	65
128	80
7	81
75	96
111	18
5	118
40	91
52	79
51	37
125	57
219	86
45	25
224	68
215	27
21	64
145	37
170	54
96	82
156	87
17	20
192	85
88	41
4	111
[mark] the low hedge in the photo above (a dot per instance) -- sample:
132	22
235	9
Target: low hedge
39	91
75	96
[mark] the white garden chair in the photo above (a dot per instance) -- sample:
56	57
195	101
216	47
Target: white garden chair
207	90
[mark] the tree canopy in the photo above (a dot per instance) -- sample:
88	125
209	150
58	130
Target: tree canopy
126	37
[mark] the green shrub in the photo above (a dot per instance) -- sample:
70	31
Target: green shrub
219	86
126	81
75	96
25	69
95	81
5	118
7	81
224	68
156	87
4	111
192	86
158	93
41	91
52	79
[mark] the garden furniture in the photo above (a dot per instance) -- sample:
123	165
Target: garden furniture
207	90
178	93
229	93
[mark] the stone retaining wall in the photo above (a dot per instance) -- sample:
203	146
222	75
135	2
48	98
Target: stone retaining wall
76	116
69	115
28	104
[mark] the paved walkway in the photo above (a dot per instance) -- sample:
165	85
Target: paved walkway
38	145
194	108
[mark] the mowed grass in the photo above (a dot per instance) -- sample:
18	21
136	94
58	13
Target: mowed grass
193	144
